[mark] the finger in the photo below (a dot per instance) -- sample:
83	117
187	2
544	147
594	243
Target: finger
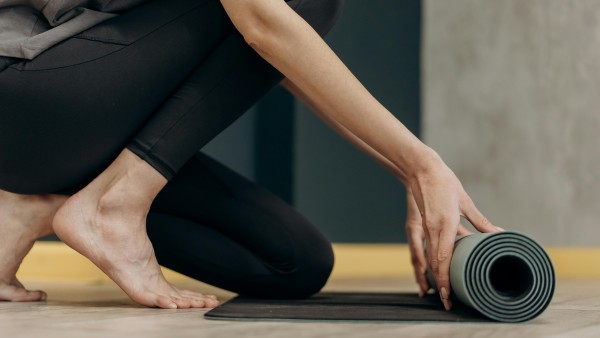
475	217
413	208
444	256
414	229
432	239
419	262
462	231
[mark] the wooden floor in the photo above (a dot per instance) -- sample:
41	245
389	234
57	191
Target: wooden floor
102	310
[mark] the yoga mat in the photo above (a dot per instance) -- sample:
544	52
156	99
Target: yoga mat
345	306
504	277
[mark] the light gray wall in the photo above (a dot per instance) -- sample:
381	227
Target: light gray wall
512	103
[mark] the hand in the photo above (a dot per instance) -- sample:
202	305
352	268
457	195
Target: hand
436	201
416	238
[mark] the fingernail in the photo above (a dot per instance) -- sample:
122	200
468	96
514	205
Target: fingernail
443	293
500	229
44	297
172	306
445	299
447	305
421	293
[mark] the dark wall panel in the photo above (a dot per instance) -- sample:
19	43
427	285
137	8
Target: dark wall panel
345	193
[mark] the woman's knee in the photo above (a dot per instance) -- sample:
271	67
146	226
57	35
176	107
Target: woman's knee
312	271
320	14
316	273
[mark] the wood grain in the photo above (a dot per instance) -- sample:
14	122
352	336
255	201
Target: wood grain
102	310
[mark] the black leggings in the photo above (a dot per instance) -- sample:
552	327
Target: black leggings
162	80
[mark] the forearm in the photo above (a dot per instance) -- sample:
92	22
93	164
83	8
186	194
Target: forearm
295	49
318	110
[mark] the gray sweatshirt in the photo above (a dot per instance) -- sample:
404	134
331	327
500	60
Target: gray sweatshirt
29	27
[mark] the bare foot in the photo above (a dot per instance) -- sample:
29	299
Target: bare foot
23	219
106	222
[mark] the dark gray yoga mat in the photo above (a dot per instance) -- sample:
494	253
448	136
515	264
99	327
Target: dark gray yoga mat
505	277
345	306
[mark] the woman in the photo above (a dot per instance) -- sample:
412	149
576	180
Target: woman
99	134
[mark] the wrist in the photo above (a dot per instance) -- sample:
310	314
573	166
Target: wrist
420	160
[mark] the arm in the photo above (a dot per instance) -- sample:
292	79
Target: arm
413	224
288	43
340	129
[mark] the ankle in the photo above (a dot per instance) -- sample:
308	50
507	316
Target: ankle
132	174
124	196
129	180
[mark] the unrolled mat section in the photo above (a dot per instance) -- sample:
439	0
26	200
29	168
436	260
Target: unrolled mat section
346	306
505	277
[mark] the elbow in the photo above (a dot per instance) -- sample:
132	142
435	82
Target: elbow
259	28
256	38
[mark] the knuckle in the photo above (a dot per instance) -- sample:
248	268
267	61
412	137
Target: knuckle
412	226
443	280
443	219
443	254
430	224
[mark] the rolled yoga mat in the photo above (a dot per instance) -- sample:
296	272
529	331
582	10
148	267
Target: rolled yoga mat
503	277
506	276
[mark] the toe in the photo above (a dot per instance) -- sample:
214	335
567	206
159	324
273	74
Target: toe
165	302
197	294
17	294
210	303
30	296
182	302
197	303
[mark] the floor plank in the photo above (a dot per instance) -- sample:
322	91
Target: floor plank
102	310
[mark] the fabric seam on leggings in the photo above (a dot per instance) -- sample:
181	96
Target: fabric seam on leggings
145	151
176	122
84	36
124	46
154	161
105	40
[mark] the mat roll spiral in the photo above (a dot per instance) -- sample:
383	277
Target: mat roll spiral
506	276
